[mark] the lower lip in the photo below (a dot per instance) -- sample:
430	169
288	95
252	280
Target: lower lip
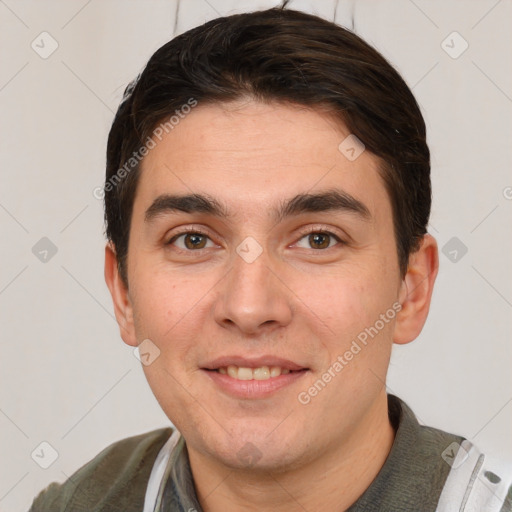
253	389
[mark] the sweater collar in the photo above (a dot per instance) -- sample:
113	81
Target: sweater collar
412	476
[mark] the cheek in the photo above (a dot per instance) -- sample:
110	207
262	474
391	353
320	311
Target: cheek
348	306
172	310
345	300
161	300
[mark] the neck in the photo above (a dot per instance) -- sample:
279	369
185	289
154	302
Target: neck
332	481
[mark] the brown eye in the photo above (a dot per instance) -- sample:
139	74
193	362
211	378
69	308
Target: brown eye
195	241
191	240
319	240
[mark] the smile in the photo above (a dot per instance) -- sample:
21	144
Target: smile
260	373
252	378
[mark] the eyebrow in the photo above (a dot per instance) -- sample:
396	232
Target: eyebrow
333	200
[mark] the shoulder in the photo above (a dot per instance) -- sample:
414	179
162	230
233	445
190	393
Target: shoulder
450	467
476	481
114	480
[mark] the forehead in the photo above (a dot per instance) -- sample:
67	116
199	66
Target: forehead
250	154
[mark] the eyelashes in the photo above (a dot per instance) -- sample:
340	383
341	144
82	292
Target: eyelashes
197	236
187	233
322	234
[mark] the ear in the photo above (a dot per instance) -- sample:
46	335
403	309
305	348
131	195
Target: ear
120	297
416	291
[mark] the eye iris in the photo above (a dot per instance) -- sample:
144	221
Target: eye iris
198	241
317	238
193	241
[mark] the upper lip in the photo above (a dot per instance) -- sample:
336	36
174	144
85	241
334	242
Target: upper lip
252	362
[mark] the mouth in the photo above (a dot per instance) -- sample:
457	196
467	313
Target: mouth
253	378
259	373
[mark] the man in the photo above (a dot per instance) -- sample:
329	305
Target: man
266	201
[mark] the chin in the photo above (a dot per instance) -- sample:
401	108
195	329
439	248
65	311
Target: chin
259	449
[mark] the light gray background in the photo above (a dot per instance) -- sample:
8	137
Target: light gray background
66	376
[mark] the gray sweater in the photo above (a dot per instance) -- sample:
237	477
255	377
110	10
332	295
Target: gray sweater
413	478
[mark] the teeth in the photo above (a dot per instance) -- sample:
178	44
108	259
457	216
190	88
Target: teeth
261	373
275	371
233	372
244	373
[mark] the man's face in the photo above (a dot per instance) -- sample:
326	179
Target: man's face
256	291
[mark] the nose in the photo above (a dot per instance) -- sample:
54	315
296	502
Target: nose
253	296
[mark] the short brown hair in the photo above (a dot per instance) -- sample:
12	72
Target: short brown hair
277	55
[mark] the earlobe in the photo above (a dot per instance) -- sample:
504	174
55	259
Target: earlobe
120	297
416	291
